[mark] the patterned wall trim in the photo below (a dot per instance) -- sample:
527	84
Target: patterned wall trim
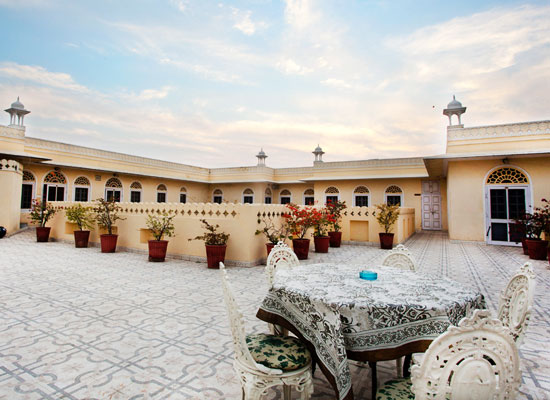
499	131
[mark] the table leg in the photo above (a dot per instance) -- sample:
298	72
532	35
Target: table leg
374	383
407	366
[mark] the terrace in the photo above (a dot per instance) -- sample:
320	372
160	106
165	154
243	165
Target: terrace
79	324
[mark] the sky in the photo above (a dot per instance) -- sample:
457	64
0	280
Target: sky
209	83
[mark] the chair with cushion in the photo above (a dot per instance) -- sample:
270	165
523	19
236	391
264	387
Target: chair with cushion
476	360
400	257
263	360
516	301
281	256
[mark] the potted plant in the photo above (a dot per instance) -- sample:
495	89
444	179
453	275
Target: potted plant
386	217
321	221
40	214
81	217
335	209
272	233
160	225
519	231
215	243
538	222
299	220
106	215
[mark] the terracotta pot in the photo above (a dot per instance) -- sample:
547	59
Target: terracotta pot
538	249
108	243
269	247
386	240
157	250
321	243
42	233
524	246
335	239
81	238
3	232
215	254
301	248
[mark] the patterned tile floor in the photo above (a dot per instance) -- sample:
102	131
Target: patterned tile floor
78	324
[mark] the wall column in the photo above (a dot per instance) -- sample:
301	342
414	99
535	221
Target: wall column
11	181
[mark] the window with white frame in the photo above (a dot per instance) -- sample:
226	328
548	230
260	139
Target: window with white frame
248	196
27	190
332	195
285	196
268	196
81	189
55	186
217	196
113	190
361	196
309	197
161	193
135	192
394	196
183	195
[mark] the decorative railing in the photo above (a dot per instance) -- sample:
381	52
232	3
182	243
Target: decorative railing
499	131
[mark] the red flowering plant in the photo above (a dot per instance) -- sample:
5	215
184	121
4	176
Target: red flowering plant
298	220
335	208
542	217
322	219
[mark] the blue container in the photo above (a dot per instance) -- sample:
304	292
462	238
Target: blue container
368	275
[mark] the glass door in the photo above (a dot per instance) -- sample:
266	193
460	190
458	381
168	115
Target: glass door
504	205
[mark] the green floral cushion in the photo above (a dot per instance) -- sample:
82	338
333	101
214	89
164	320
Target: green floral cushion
396	389
280	352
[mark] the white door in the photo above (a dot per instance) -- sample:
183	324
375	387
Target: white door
431	205
504	204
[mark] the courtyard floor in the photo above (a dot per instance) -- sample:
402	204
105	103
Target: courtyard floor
79	324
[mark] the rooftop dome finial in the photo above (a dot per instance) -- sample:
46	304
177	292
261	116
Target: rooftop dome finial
455	107
17	113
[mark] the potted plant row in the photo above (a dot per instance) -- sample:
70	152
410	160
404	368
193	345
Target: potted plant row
106	215
335	209
80	216
322	219
41	213
298	221
215	243
160	225
387	216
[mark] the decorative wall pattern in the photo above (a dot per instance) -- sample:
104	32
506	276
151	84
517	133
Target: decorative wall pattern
506	175
332	189
362	189
28	176
309	192
285	192
135	185
55	177
113	183
497	131
161	187
394	189
248	191
82	181
183	189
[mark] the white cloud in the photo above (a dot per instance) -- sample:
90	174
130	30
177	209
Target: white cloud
290	67
181	5
244	23
301	14
337	83
40	75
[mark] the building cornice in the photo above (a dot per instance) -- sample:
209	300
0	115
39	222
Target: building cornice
500	131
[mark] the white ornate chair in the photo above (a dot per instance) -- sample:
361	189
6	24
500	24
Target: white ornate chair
476	360
516	301
281	256
400	257
262	360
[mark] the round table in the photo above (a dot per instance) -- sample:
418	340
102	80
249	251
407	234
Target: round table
340	315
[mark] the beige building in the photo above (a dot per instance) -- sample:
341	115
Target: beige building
487	176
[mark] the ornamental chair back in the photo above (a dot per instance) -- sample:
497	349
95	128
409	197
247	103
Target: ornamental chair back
281	256
516	302
476	360
400	257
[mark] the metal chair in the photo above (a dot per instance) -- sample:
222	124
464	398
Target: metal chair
400	257
290	365
476	360
281	256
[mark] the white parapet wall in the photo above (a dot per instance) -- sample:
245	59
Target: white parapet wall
239	220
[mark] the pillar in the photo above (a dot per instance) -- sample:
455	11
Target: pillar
11	180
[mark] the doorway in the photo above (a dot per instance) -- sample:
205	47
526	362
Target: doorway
504	204
431	205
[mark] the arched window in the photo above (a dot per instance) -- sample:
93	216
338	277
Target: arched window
285	196
268	196
394	195
183	195
248	196
27	190
113	190
161	193
309	197
217	196
135	192
332	195
507	175
361	196
55	186
82	189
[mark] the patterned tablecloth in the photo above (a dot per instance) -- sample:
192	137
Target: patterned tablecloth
336	311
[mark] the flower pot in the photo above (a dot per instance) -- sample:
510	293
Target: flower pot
3	232
301	248
42	233
321	243
386	240
81	238
157	250
335	239
538	249
215	254
524	246
108	243
269	247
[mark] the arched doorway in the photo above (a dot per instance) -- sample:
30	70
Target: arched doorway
507	197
